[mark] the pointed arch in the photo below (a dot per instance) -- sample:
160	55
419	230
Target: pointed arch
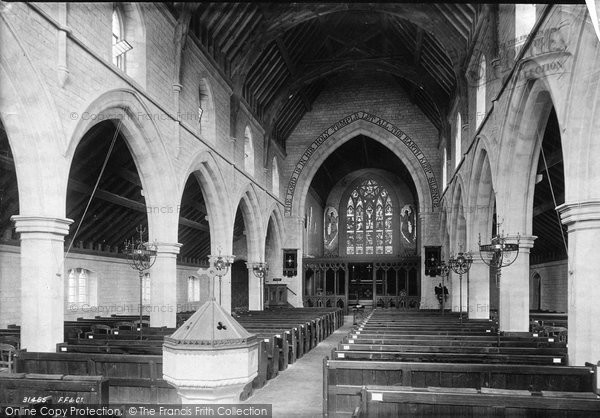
35	142
378	129
214	189
147	148
518	155
482	196
248	203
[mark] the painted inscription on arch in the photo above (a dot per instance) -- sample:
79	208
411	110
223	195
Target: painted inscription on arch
412	146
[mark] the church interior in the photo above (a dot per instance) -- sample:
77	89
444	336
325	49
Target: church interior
335	209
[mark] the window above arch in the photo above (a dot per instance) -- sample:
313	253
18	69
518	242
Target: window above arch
457	142
248	151
206	112
444	169
524	21
119	45
275	177
480	98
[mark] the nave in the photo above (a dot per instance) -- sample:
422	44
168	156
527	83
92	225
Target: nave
266	168
112	360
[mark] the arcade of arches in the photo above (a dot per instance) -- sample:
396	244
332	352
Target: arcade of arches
353	137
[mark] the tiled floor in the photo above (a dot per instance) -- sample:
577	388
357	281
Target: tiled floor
298	391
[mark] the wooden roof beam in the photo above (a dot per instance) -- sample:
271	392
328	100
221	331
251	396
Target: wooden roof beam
126	202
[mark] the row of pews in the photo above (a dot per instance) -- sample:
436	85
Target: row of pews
126	364
423	364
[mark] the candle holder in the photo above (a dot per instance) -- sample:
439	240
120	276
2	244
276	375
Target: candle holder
141	256
460	265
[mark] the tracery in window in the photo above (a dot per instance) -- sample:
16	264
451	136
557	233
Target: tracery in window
369	213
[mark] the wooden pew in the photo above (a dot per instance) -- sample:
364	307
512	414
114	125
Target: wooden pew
131	378
471	348
343	379
458	342
441	357
385	401
22	388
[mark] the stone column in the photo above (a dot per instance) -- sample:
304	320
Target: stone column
163	284
255	291
42	281
223	288
479	291
455	292
583	221
513	305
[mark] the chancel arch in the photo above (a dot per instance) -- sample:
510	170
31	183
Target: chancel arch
362	230
427	197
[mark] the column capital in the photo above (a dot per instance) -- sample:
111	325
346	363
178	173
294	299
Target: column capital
168	248
580	215
41	224
525	241
479	258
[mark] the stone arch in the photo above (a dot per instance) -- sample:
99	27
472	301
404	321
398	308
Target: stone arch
275	213
458	224
33	128
249	204
344	130
518	156
481	197
204	166
147	149
274	256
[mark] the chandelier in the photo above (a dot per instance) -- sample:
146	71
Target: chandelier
219	267
443	270
499	253
141	256
260	270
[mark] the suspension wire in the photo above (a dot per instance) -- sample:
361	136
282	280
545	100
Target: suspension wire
109	152
562	231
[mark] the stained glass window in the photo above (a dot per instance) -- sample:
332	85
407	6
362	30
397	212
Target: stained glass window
369	213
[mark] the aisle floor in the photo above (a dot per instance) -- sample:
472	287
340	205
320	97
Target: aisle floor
298	390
